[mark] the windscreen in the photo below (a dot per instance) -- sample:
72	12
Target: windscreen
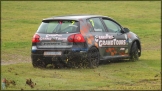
58	27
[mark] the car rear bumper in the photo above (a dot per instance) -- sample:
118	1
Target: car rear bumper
64	52
67	56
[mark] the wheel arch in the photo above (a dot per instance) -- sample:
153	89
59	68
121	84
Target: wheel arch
138	45
93	46
96	48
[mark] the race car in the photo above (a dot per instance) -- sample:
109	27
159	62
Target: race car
82	40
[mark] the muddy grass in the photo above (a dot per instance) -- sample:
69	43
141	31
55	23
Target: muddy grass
15	61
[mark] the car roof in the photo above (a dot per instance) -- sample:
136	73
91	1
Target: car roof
73	17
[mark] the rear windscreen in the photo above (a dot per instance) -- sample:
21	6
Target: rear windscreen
60	26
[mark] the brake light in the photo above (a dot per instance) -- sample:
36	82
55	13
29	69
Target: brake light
76	38
36	38
71	38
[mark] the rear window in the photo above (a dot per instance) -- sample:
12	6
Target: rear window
59	27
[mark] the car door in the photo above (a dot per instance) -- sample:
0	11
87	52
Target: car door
116	42
98	31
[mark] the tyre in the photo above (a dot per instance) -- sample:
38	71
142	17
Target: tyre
37	62
93	57
134	52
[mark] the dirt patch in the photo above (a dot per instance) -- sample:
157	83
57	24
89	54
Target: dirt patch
3	62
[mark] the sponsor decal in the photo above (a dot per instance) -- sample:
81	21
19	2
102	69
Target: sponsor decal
122	53
122	48
52	39
97	38
92	22
73	25
51	35
96	44
98	30
84	27
61	39
90	39
112	51
128	38
111	42
73	22
108	40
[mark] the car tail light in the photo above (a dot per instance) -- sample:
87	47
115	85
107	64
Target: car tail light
71	38
36	38
76	38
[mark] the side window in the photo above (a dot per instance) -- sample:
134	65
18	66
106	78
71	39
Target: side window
112	26
96	24
90	26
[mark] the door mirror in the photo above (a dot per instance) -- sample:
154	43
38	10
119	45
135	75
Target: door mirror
126	30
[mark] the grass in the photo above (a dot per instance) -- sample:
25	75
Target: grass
20	20
138	75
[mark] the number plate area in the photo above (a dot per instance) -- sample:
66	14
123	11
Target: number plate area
52	53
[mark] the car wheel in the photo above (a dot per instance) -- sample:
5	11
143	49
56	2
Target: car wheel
134	52
38	62
93	57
